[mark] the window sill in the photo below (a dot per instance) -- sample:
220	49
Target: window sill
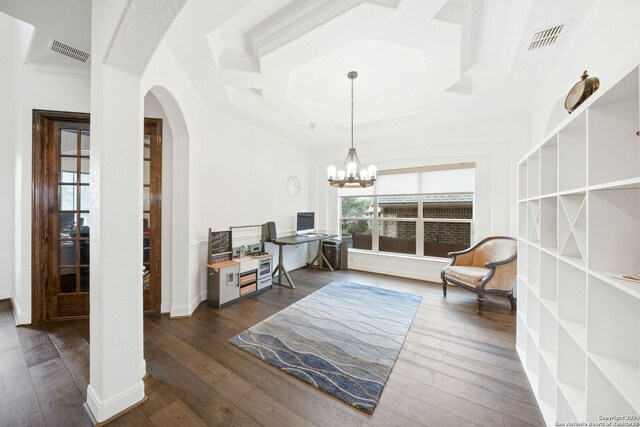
401	256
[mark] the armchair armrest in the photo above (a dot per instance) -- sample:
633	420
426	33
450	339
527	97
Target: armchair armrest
494	264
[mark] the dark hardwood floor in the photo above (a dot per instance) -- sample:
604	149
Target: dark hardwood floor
455	369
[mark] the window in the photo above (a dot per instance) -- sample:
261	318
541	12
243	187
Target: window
435	218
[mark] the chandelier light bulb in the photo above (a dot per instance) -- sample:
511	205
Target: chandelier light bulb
373	172
341	174
331	172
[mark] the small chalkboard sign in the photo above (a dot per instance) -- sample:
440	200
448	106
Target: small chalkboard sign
219	244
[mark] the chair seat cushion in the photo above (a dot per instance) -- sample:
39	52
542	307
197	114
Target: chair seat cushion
468	275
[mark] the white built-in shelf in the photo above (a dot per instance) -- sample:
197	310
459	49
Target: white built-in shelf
578	323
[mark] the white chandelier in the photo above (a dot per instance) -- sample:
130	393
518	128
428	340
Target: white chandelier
352	175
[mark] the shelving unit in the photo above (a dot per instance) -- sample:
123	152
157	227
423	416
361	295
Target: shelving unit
578	324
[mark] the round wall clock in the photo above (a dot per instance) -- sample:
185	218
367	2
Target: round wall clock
581	91
293	185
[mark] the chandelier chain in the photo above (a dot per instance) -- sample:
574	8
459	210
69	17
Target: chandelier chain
352	113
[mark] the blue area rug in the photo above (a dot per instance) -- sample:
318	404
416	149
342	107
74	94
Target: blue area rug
343	339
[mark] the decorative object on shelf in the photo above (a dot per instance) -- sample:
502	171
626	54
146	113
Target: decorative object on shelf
293	185
635	278
352	175
638	133
581	91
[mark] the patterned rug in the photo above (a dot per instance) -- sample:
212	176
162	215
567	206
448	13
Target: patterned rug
343	339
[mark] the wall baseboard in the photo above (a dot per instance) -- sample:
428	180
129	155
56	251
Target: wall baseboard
5	294
20	317
165	307
395	272
103	410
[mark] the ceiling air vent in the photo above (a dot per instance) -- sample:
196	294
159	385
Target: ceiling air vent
546	37
68	50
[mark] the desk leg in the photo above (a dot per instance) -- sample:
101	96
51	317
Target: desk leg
313	261
281	268
327	261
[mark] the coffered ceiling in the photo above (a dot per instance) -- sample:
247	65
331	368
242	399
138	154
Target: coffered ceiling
281	64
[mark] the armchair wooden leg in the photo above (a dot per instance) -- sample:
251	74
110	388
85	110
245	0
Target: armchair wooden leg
444	289
512	301
480	299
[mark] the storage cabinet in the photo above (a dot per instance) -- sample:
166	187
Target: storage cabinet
223	283
578	325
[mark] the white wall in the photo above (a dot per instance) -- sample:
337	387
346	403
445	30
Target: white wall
27	89
604	44
236	175
9	56
494	147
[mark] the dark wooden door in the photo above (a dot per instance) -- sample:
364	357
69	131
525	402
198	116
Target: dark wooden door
61	221
151	214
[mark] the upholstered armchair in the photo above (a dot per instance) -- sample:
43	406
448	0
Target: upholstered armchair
488	267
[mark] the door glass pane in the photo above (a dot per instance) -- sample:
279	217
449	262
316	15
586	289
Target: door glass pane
84	279
84	143
68	252
67	197
85	221
68	224
67	280
146	205
68	166
84	252
84	170
146	224
147	172
68	141
147	146
84	198
397	237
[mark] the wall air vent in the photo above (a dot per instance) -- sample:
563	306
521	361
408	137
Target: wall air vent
546	37
68	50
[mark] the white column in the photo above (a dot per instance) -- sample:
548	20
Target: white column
116	322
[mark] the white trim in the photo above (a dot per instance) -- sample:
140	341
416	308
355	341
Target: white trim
165	307
403	256
103	410
19	317
186	310
394	272
6	294
203	296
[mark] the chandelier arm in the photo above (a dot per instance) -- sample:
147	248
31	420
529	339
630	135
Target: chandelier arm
352	113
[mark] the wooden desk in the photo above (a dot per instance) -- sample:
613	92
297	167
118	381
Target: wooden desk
281	242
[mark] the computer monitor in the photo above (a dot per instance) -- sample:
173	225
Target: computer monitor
306	221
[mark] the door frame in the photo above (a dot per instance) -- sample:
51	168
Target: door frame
39	203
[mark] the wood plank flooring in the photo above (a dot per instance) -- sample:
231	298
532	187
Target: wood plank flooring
455	368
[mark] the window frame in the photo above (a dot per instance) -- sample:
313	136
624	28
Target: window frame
419	221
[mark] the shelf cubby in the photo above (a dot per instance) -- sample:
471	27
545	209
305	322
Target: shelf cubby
522	181
564	411
522	258
533	223
548	339
521	338
572	366
521	293
614	147
604	397
613	337
533	175
533	314
572	227
572	155
547	393
522	220
549	281
549	167
549	223
533	268
572	301
614	230
533	357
